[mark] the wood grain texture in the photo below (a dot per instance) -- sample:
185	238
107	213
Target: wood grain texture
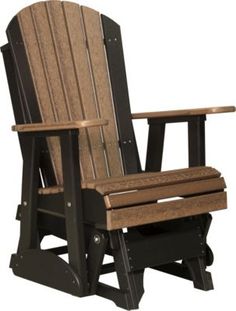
71	80
59	126
150	213
90	183
163	192
186	112
85	86
150	180
99	70
50	190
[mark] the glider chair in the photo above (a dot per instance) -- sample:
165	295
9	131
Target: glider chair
82	178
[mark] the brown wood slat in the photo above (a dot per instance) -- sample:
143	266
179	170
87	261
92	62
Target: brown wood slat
40	79
84	81
71	100
158	193
186	112
36	127
99	70
92	184
142	181
149	213
51	190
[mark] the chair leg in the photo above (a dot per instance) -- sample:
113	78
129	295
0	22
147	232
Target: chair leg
130	282
201	278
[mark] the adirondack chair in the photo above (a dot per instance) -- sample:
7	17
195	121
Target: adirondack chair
82	178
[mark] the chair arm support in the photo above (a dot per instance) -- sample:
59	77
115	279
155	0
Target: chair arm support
61	126
182	113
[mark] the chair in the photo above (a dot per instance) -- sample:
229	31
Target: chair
82	178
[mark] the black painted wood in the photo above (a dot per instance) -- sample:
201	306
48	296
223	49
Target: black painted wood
201	278
173	245
46	268
130	282
29	197
196	141
155	147
73	207
96	252
116	65
15	92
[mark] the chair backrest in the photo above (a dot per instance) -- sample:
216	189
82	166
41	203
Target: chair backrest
69	65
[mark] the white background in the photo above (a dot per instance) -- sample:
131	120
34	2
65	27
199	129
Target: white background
179	54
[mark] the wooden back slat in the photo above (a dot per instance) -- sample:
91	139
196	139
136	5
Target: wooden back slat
99	70
65	50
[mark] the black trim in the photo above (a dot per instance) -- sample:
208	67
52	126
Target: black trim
115	57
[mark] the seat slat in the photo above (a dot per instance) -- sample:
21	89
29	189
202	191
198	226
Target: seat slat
158	193
93	183
142	181
147	180
150	213
99	70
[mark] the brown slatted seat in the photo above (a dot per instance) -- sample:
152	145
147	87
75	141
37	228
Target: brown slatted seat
138	192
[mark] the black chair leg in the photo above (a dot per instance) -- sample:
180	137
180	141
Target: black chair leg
201	278
130	282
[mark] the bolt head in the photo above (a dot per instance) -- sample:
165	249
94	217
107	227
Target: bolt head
97	239
68	204
25	203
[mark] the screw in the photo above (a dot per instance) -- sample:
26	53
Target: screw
115	39
21	257
68	204
97	239
25	203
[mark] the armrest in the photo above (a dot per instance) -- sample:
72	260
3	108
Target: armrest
60	126
182	113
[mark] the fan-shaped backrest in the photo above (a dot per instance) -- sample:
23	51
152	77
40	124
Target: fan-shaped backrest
65	52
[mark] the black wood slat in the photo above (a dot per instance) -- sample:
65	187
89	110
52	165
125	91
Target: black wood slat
155	147
116	65
196	141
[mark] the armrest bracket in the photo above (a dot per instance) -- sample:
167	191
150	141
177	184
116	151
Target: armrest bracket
196	140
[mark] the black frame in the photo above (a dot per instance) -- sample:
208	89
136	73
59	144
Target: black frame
196	140
71	215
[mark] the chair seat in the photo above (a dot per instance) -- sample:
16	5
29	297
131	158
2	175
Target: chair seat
137	199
